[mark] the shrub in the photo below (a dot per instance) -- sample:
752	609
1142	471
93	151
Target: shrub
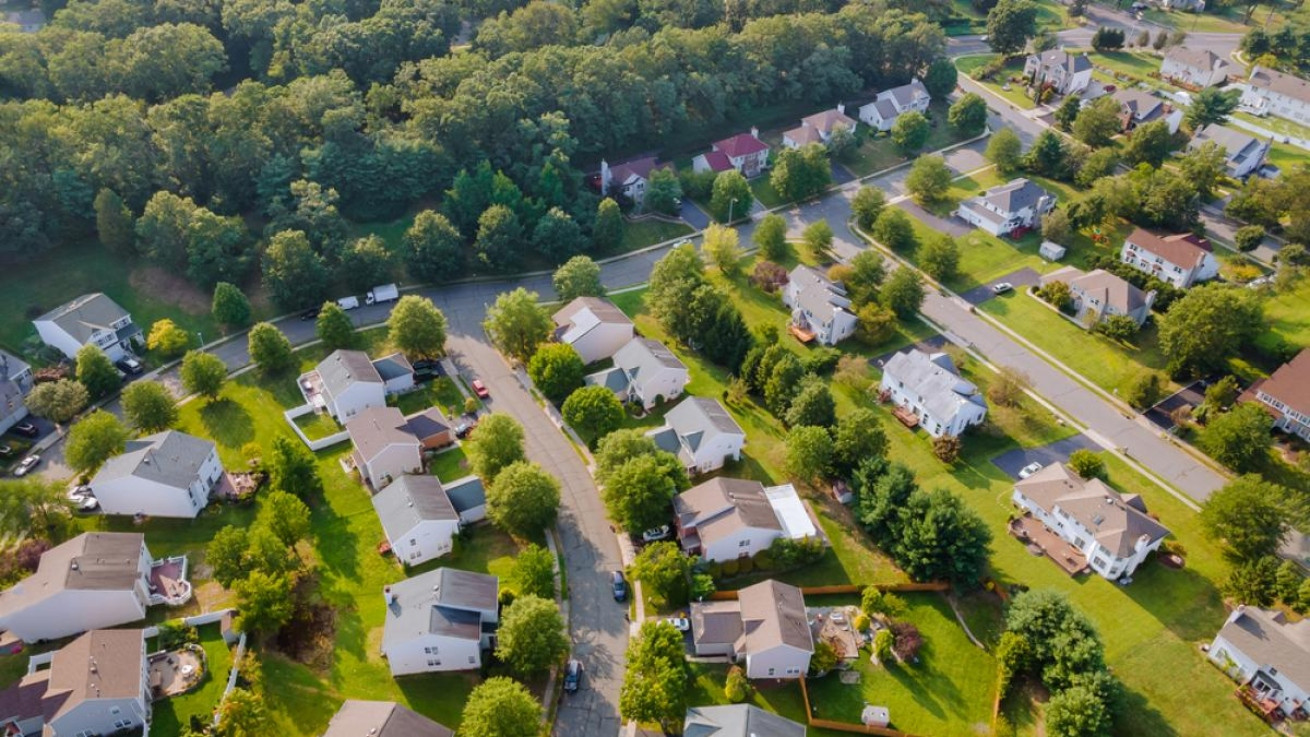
947	449
730	568
787	553
821	360
763	561
745	565
861	622
908	641
768	276
736	687
882	645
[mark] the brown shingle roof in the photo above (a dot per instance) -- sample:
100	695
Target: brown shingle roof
1111	290
382	719
375	428
101	664
1283	84
829	119
1290	384
97	561
725	506
773	614
603	309
1180	249
1115	523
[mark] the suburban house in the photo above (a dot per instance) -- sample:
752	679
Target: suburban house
92	319
1181	259
397	373
439	621
1269	656
701	433
1244	154
12	407
744	152
382	719
385	448
98	684
1138	107
820	309
1112	531
594	327
1098	294
344	384
1194	67
97	579
431	428
28	21
1004	209
765	627
168	474
628	178
1274	93
927	390
725	519
15	369
418	517
1065	73
818	128
890	104
738	720
1286	395
645	371
469	497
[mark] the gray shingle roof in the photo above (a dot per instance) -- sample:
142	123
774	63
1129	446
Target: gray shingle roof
393	366
1239	145
773	614
1141	104
1116	522
701	415
1270	640
615	379
1110	289
96	561
716	622
1015	195
738	720
466	493
170	457
641	357
457	594
906	94
1071	63
12	365
934	379
342	368
409	501
85	315
1283	84
816	295
382	719
1203	59
603	309
11	397
375	428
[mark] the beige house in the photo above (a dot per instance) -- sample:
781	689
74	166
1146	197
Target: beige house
385	447
765	629
1098	294
725	519
594	327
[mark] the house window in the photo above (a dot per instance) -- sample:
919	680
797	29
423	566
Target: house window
771	671
434	662
473	660
743	543
115	711
430	651
793	671
122	724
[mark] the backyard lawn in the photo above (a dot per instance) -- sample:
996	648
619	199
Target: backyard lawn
440	392
171	715
317	425
449	465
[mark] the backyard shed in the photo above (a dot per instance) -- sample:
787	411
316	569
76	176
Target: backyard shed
1052	251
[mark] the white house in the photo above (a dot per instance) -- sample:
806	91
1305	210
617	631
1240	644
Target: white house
1286	395
818	128
1066	73
12	407
594	327
385	448
1181	259
1195	67
168	474
1138	106
344	384
16	370
644	371
469	497
744	152
890	104
1268	655
1111	530
820	309
725	519
396	372
1274	93
418	517
1098	294
440	621
1244	154
1001	210
97	579
701	433
628	178
382	719
97	684
765	629
929	388
738	720
92	319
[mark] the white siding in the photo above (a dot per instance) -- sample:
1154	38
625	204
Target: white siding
428	540
713	454
448	654
1222	652
71	612
668	383
98	716
391	463
357	397
602	341
399	384
742	542
783	661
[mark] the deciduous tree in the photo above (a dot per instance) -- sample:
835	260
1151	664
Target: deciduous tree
96	372
294	275
1098	123
894	230
1210	106
334	327
655	678
607	233
593	411
818	237
417	327
365	263
531	637
663	568
149	406
1149	144
114	223
1208	325
1246	515
910	131
57	401
903	293
534	572
291	468
663	192
501	707
577	277
720	245
517	324
802	173
939	256
496	443
1005	150
929	179
264	602
812	405
1239	438
867	205
968	115
203	373
230	306
809	453
1087	464
167	338
771	236
858	435
269	349
556	369
1010	24
94	440
434	249
284	515
523	500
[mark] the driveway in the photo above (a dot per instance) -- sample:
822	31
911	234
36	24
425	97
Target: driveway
841	175
693	215
1021	279
1058	452
1161	414
931	344
952	226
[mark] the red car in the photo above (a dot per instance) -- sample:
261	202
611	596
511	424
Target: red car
480	389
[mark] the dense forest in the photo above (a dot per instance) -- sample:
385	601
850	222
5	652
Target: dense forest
194	131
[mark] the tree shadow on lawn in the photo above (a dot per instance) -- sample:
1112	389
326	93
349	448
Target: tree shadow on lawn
228	423
337	545
298	699
1137	716
1185	602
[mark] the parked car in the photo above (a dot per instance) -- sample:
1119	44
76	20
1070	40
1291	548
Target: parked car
311	313
681	624
620	586
463	430
88	504
1002	288
26	428
130	365
572	676
6	450
480	389
348	303
655	533
427	370
26	465
79	492
1029	469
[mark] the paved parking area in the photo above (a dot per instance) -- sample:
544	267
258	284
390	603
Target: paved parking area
1161	414
931	344
1024	277
1057	452
952	226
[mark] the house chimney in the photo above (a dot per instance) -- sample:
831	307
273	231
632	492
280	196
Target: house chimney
386	595
755	131
841	108
604	176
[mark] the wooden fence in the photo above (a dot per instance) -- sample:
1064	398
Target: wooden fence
852	588
845	726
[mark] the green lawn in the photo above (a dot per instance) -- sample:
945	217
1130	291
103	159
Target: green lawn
1011	74
876	152
440	392
763	190
1287	316
648	233
784	697
947	694
965	19
171	715
1277	125
317	425
449	465
1135	66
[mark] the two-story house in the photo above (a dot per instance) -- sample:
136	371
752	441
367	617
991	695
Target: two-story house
628	179
818	128
1111	530
1269	656
385	447
168	474
344	384
738	720
1001	210
594	327
1138	106
1066	73
1098	294
98	684
890	104
645	371
420	520
1181	259
13	409
1243	154
1270	92
765	628
97	579
92	319
725	519
744	152
701	433
382	719
929	388
1194	67
15	369
820	309
441	620
1286	395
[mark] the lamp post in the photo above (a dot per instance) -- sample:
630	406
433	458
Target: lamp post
731	203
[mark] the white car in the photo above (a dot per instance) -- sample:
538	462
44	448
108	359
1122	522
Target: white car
681	624
1029	469
655	533
1002	288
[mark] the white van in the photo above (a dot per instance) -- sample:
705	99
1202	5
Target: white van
348	303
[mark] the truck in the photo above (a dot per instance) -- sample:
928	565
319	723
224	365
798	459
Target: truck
382	293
